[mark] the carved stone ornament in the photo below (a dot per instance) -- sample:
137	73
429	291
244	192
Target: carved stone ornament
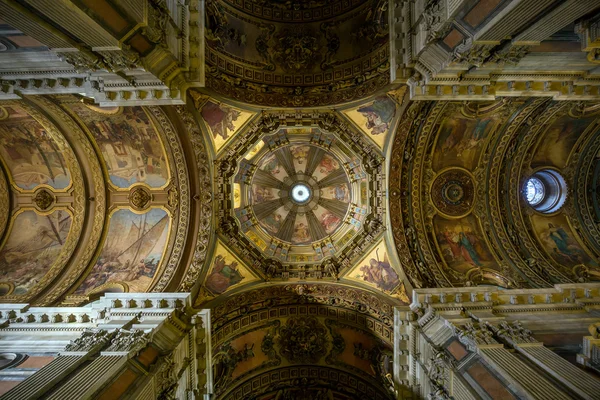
515	332
89	340
480	335
303	340
453	192
140	198
44	199
129	341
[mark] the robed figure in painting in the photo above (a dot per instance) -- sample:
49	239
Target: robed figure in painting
223	275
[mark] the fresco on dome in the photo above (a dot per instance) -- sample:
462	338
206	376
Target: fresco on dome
557	239
339	192
132	252
222	121
130	145
461	243
327	219
460	141
226	272
272	222
261	194
271	165
31	155
376	271
559	140
326	166
299	156
374	118
301	234
34	244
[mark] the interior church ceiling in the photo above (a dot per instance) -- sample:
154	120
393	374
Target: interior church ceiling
298	195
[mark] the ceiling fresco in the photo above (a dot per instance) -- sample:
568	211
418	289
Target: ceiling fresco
463	219
96	199
259	53
301	197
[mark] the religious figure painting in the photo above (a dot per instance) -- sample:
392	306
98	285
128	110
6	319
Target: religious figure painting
558	240
327	219
299	155
301	233
262	194
133	250
374	118
560	139
460	140
130	144
376	270
33	246
226	272
31	154
273	221
327	165
461	243
339	192
223	121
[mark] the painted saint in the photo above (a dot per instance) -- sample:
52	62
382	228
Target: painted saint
272	222
300	153
341	193
328	165
223	275
379	115
301	233
564	249
219	118
329	221
463	246
380	273
262	194
271	165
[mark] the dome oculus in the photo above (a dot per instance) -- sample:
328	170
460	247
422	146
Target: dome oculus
301	193
545	191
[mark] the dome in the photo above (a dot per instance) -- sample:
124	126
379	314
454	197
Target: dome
298	192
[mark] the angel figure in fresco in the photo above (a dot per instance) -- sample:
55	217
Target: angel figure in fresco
223	275
329	221
379	115
564	248
262	194
219	118
271	165
272	222
301	233
472	138
300	153
328	165
340	193
452	133
380	273
463	246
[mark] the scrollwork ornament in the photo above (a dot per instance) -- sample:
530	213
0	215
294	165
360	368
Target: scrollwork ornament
140	198
89	340
44	199
205	200
129	341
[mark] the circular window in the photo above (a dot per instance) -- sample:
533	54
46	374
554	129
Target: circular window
535	191
301	193
545	191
